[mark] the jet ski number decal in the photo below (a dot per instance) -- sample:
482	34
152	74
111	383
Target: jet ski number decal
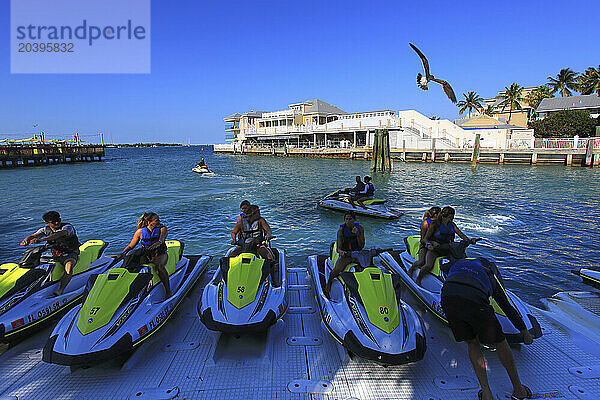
47	310
160	317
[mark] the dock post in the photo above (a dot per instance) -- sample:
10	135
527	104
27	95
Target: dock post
569	160
475	155
375	153
447	157
404	149
433	150
589	149
501	159
387	161
354	145
534	157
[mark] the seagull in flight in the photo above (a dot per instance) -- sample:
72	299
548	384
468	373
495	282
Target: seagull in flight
422	81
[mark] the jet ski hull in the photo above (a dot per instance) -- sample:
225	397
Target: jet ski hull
346	319
430	295
35	306
201	170
132	323
269	305
378	209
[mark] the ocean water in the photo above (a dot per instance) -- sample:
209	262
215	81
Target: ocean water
538	222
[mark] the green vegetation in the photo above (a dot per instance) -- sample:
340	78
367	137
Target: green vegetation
535	97
589	81
566	123
565	80
471	102
511	98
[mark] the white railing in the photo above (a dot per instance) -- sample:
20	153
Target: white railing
575	143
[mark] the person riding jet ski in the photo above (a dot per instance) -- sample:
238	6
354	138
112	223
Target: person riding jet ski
63	242
151	234
251	233
350	240
367	193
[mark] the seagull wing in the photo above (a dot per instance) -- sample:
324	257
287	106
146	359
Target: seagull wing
423	60
447	89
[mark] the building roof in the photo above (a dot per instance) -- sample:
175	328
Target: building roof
317	106
569	103
484	122
233	117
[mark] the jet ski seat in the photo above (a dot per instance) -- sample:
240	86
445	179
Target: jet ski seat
89	252
243	259
175	251
14	278
412	245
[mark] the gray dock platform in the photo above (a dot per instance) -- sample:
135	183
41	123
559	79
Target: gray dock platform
298	359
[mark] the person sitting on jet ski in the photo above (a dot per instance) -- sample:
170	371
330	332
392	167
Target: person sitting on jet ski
367	193
428	218
244	207
465	300
350	239
439	241
152	235
63	242
253	230
359	187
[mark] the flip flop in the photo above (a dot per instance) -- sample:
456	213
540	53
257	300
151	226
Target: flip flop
528	395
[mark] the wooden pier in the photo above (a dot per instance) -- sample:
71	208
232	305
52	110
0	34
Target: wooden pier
575	157
12	156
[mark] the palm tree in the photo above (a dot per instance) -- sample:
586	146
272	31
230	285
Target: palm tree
511	97
489	110
471	102
589	81
535	97
565	80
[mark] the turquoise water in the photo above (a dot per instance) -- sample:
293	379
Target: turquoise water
538	222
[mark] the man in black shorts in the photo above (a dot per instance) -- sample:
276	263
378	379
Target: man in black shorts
62	241
465	301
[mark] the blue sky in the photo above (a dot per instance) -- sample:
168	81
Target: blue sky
211	59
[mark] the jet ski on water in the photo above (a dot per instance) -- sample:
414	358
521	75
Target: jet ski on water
201	169
429	293
588	276
26	289
340	201
122	310
364	311
247	293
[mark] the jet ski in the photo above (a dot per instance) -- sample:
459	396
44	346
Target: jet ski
429	293
588	276
26	291
365	313
201	169
122	310
246	294
340	201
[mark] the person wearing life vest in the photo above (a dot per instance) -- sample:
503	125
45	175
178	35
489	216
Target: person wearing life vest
350	239
63	243
428	218
439	240
465	300
354	192
367	193
151	234
244	208
252	230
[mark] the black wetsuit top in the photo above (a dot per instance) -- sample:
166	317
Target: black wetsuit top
477	279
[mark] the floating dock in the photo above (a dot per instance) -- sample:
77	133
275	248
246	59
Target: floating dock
12	156
299	359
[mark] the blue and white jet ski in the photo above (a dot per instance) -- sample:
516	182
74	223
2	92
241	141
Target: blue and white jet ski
246	293
26	292
122	310
364	311
429	293
378	208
